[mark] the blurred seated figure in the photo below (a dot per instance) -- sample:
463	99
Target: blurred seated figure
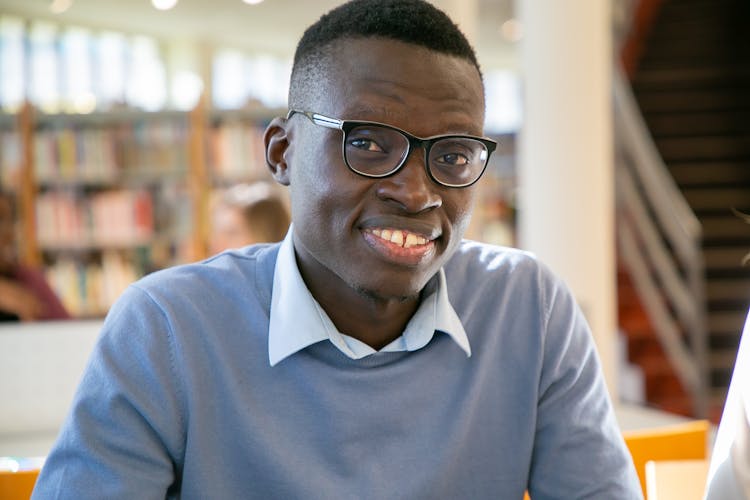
246	214
24	292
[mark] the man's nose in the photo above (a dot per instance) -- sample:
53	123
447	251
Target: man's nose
411	188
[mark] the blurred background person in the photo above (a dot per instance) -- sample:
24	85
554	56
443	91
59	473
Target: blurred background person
24	292
246	214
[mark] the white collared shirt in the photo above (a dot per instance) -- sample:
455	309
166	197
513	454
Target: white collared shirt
293	305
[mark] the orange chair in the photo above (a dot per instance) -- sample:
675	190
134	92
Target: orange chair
674	442
688	441
17	485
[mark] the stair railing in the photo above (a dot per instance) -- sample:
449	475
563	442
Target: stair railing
659	240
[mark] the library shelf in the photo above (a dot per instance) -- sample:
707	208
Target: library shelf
106	197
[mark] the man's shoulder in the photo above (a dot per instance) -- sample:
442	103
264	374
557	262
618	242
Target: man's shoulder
482	270
476	259
251	265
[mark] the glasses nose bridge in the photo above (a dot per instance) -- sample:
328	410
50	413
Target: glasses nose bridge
415	143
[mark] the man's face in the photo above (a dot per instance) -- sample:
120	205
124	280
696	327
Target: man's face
347	228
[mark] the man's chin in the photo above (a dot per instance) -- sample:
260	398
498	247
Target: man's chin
390	293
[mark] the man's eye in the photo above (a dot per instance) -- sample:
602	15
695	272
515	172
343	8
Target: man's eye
366	145
455	159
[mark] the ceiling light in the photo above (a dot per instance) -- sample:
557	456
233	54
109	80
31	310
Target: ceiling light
59	6
163	4
252	2
512	30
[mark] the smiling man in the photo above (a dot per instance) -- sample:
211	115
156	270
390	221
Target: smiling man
374	353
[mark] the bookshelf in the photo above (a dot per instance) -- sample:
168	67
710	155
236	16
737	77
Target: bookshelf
107	197
237	153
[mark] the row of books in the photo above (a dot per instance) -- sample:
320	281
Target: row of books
237	151
11	157
88	289
67	155
112	218
105	154
141	150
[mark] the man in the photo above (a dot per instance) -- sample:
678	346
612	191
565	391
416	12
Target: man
373	354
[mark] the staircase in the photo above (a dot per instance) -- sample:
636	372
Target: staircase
693	87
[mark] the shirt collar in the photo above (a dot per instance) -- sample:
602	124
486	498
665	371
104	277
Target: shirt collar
292	305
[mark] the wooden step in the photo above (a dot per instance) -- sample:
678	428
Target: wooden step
698	123
705	173
722	358
692	77
733	98
728	289
738	303
667	30
700	51
723	341
720	200
740	272
709	51
681	10
725	258
704	148
726	322
725	229
720	376
710	21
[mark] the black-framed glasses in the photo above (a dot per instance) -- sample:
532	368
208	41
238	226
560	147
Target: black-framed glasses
378	150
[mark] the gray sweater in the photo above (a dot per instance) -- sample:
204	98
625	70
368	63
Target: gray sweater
179	399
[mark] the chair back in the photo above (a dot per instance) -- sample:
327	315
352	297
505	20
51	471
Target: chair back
17	485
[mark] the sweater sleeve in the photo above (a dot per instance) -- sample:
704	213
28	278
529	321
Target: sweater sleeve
123	437
579	451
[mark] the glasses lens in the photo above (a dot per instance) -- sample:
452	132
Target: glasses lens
374	150
457	161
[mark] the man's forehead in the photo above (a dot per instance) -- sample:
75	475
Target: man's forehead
384	65
348	50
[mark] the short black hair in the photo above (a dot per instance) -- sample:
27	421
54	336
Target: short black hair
412	21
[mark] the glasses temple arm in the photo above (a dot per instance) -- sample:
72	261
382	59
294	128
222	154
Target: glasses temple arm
325	121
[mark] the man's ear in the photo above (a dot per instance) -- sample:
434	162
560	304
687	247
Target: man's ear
276	142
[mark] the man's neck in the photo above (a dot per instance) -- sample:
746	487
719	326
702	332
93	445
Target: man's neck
376	321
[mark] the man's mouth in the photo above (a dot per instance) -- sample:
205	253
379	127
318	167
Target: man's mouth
400	237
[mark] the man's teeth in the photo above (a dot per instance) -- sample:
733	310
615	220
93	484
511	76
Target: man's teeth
399	237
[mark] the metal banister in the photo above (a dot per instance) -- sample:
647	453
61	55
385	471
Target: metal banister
659	239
